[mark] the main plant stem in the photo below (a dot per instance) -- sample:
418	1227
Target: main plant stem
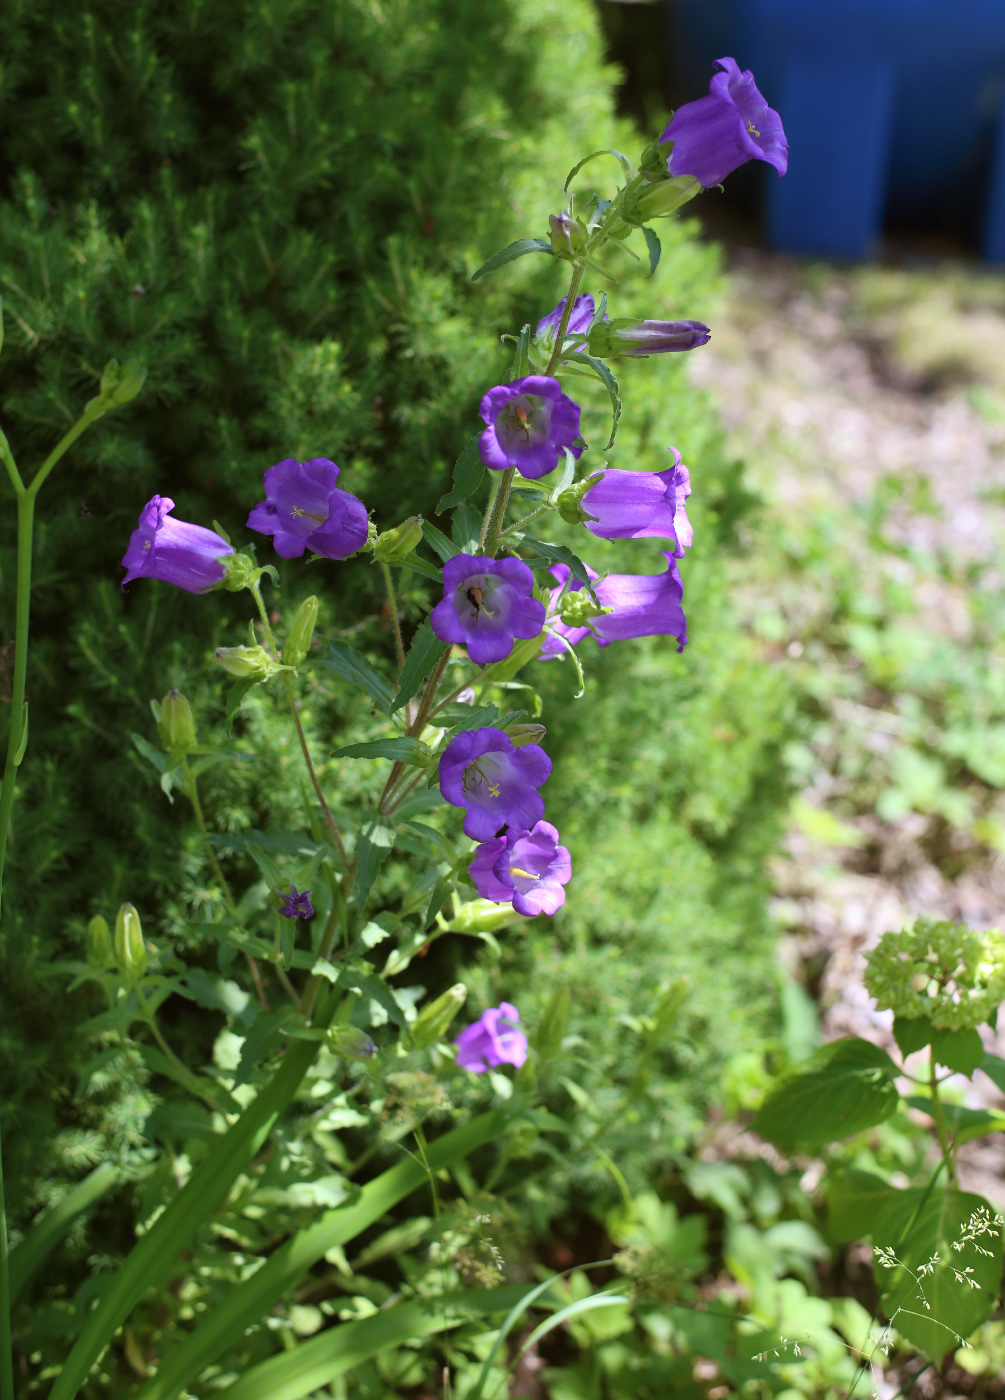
940	1122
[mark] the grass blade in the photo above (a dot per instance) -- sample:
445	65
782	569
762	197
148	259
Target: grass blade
28	1257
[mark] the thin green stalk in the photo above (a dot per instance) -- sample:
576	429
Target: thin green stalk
940	1122
563	325
498	512
25	525
192	1080
493	493
393	606
526	520
6	1345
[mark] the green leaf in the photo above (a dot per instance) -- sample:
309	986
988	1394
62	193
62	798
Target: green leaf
402	749
477	717
52	1227
606	375
246	1303
519	249
436	838
353	667
469	470
373	846
846	1086
576	1309
443	547
994	1067
959	1050
423	654
520	656
628	170
854	1199
912	1033
153	756
236	696
962	1124
918	1224
268	867
418	565
654	247
560	554
465	530
377	990
521	358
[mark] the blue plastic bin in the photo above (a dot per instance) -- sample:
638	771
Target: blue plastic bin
890	106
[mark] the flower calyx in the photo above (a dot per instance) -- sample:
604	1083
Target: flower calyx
570	501
248	663
394	546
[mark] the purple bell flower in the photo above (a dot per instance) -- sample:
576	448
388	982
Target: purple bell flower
634	505
718	133
495	1039
497	783
173	550
529	423
644	605
297	904
487	603
525	868
304	509
639	339
583	312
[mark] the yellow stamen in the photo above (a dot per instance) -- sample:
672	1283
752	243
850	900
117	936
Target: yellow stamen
298	510
527	874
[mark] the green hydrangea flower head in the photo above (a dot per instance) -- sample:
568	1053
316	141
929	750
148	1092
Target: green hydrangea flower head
950	973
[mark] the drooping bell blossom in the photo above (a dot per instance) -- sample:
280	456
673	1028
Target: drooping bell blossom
304	509
173	550
583	312
634	505
527	869
497	783
486	605
628	339
494	1039
297	904
529	423
642	605
720	132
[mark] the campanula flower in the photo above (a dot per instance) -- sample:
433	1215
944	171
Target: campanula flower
486	604
297	904
525	868
494	1039
173	550
583	312
529	423
304	509
628	339
497	783
642	605
634	505
718	133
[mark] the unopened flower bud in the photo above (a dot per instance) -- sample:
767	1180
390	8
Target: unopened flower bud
351	1043
245	662
99	944
655	201
626	337
120	383
579	608
654	161
130	950
570	502
239	568
568	236
394	546
526	734
177	727
481	916
433	1020
298	639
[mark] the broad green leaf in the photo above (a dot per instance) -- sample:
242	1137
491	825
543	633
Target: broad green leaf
377	990
654	248
346	662
443	547
469	471
465	530
912	1033
560	554
959	1050
423	654
402	749
436	838
994	1067
519	249
917	1225
846	1086
50	1228
607	377
373	846
962	1124
854	1199
246	1303
416	564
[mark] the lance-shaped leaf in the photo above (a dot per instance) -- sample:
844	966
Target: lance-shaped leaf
403	748
609	381
444	547
655	248
373	846
468	473
627	169
423	654
351	666
519	249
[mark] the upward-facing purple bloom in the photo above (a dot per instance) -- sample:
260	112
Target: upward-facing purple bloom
583	312
722	131
296	904
304	509
634	505
494	1039
643	605
173	550
497	783
486	604
528	869
529	423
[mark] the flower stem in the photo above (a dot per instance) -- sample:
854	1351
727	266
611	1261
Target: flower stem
940	1121
526	520
498	512
6	1345
393	606
563	325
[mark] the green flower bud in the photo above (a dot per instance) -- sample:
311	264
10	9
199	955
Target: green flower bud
119	384
569	503
655	201
99	944
298	639
433	1020
481	916
350	1042
394	546
240	568
130	950
578	608
568	236
177	727
246	662
526	734
654	161
553	1024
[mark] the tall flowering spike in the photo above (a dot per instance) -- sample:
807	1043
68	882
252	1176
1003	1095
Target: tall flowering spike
526	868
484	772
720	132
582	313
529	422
304	509
641	605
487	604
635	505
174	551
495	1039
